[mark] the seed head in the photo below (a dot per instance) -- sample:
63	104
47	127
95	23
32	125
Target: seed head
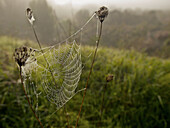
21	55
109	77
102	13
29	15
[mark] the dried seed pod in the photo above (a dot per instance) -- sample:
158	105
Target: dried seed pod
102	13
109	78
30	17
21	55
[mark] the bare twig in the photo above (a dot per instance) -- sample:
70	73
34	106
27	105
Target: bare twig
97	44
29	14
28	98
101	13
48	65
21	55
31	19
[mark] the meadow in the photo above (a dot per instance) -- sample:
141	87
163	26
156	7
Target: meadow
137	97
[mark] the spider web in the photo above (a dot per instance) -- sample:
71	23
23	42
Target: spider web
67	68
56	78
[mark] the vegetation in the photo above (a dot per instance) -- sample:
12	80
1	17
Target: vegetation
138	96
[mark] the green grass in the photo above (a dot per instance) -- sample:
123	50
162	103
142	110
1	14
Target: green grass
138	96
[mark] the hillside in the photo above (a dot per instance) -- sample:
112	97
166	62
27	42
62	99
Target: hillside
138	96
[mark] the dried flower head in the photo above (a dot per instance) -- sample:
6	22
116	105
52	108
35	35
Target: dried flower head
22	54
109	77
30	17
102	13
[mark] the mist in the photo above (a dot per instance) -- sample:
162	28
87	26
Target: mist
137	24
121	4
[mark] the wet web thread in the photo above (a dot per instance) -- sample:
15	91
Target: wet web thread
67	68
64	63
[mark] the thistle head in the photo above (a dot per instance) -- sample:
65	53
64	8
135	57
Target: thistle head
102	13
22	54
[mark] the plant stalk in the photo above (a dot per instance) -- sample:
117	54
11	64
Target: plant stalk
28	99
48	66
43	55
91	68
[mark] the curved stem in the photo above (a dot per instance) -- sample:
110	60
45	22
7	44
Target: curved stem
28	98
48	65
43	55
97	44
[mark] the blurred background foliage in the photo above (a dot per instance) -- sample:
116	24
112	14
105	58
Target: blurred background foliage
138	96
138	57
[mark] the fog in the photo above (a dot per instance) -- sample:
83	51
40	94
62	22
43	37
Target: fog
138	24
121	4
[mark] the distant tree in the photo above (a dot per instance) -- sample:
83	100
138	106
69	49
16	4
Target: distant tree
12	17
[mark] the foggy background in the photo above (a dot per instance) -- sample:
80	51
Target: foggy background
123	4
143	25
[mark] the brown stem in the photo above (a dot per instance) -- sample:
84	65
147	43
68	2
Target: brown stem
47	65
28	99
44	55
97	44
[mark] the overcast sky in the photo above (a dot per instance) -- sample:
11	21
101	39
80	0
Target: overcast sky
143	4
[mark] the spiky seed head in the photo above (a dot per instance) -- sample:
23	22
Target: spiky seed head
21	55
102	13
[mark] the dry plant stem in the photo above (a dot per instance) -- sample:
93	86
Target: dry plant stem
28	99
47	65
97	44
43	55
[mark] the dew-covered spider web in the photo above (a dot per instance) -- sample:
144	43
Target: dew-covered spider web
55	73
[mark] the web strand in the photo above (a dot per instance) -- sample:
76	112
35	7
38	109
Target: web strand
64	60
73	35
